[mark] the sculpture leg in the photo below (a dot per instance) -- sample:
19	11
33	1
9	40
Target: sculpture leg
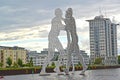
58	64
80	58
68	63
49	57
62	52
70	50
82	62
73	66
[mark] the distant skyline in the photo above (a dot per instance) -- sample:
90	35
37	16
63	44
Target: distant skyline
26	23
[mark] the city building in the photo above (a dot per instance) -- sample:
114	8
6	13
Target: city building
103	40
39	58
14	53
85	57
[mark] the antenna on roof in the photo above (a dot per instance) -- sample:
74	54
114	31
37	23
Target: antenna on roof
105	13
100	11
113	19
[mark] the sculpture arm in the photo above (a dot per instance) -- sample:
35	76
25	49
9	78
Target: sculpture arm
62	27
74	25
68	39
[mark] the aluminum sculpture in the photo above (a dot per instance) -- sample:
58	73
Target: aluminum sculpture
54	42
72	37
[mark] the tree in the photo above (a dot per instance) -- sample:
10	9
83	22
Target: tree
19	62
56	58
31	62
9	61
119	59
15	65
98	61
1	64
79	64
53	64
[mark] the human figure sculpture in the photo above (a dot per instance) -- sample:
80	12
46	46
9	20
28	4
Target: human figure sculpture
54	43
72	37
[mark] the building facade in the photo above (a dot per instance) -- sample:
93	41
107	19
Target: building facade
39	58
14	53
103	40
85	57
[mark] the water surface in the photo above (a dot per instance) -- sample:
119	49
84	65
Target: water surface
103	74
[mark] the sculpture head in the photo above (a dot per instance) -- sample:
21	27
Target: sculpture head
70	10
58	12
69	13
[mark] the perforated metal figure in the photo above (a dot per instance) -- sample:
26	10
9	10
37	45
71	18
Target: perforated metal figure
54	42
72	46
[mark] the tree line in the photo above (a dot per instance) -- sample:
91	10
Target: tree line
19	63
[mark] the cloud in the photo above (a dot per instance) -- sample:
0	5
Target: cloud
25	20
10	9
26	33
31	44
20	14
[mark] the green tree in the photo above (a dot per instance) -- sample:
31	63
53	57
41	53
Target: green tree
56	58
119	59
79	64
31	62
9	61
15	65
98	61
52	64
26	65
20	63
1	64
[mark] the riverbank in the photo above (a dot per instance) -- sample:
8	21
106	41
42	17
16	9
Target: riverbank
20	71
103	74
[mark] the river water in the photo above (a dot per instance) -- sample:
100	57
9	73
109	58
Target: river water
103	74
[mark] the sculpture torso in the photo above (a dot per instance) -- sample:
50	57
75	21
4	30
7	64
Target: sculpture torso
55	27
70	23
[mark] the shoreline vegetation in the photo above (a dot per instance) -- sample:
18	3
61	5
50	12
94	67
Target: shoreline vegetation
49	69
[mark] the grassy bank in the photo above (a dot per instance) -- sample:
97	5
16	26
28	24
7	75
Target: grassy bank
32	70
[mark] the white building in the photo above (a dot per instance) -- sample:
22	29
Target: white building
85	56
39	58
103	40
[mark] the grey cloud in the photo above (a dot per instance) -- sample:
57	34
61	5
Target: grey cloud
25	33
84	45
83	29
16	15
27	14
11	10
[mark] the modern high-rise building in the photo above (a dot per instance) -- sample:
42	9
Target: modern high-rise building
103	40
14	53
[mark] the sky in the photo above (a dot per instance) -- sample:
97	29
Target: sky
26	23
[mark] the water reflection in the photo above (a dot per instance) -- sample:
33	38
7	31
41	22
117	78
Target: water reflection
64	77
105	74
58	77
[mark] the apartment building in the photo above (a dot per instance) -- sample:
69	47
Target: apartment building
39	58
103	40
14	53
